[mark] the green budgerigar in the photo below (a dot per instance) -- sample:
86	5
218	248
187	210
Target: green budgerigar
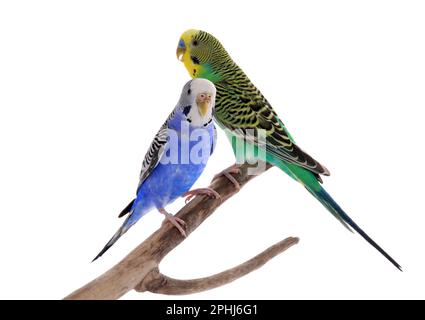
244	113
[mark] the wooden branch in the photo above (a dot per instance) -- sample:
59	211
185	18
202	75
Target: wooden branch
140	265
156	282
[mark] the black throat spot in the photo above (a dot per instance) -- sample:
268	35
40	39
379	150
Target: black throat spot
205	124
194	59
186	110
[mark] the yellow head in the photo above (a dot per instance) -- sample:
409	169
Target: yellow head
202	55
184	50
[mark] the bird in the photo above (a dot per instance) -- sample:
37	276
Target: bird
175	159
246	115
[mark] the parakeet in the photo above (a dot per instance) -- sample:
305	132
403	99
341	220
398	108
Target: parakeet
241	109
176	158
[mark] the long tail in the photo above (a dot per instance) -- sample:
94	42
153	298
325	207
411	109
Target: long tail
123	229
131	220
337	211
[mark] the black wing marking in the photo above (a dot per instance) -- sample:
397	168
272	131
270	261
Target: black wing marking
155	150
154	154
244	112
126	209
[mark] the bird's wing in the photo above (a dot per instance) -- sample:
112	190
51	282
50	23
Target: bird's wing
156	150
248	111
152	157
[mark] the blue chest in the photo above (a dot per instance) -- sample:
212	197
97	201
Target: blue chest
183	161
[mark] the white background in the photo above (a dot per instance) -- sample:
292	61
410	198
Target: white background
84	86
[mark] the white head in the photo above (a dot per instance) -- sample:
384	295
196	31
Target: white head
197	101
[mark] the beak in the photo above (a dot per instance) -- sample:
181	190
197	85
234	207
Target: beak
204	105
181	50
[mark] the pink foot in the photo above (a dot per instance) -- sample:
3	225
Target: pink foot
235	169
206	191
177	222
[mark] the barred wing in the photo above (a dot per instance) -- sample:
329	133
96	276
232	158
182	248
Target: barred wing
245	111
153	156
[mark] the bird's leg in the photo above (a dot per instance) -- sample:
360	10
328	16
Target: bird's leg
235	168
206	191
177	222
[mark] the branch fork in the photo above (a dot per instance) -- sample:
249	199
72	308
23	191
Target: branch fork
139	270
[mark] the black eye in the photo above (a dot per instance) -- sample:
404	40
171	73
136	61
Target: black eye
195	42
189	91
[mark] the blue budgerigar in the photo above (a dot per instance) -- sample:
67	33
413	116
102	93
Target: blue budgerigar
176	158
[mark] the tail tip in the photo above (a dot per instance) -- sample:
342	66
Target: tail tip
102	252
97	257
